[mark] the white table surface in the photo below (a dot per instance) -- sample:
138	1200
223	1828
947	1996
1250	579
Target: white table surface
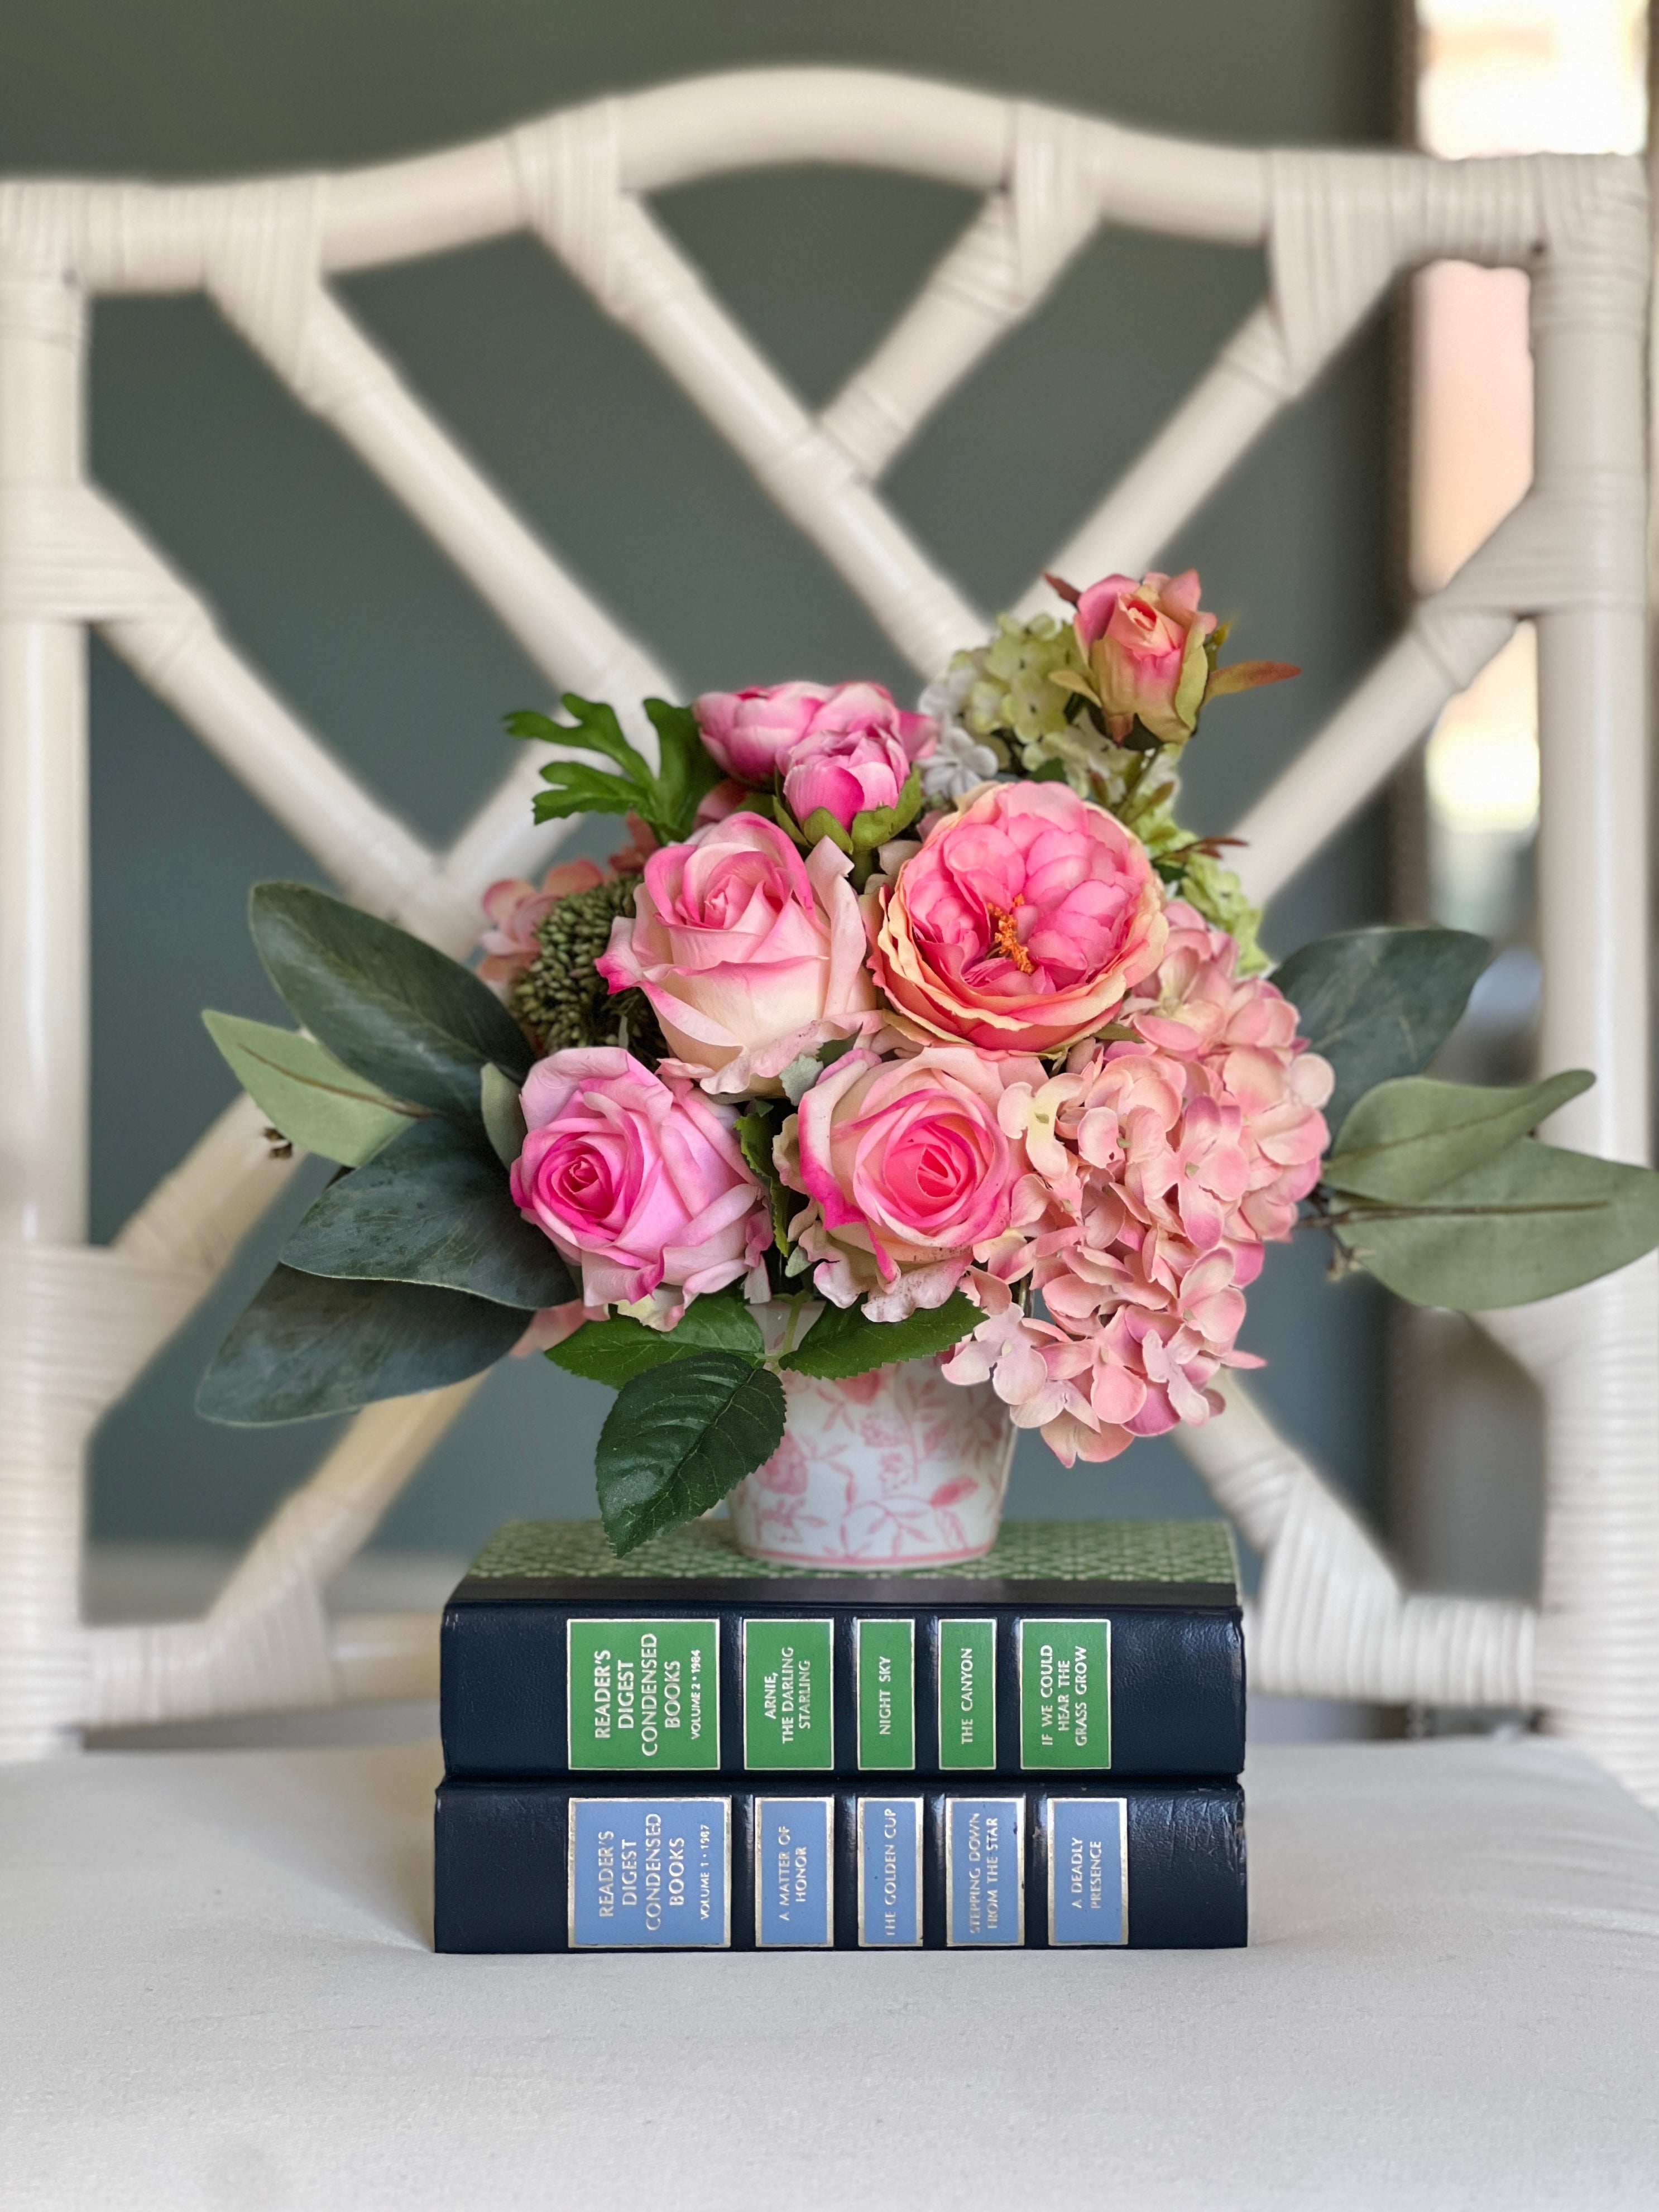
216	1990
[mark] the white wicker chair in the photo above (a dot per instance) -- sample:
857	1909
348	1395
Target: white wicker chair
78	1322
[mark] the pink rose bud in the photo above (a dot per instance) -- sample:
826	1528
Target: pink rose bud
640	1182
1144	644
1021	922
752	733
845	771
745	950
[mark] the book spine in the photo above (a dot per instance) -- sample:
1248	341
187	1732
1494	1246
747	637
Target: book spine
536	1689
560	1866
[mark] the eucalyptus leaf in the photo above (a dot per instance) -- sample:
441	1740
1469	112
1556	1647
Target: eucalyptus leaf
433	1208
1380	1003
1534	1222
393	1009
842	1342
311	1345
679	1437
1405	1140
503	1116
305	1094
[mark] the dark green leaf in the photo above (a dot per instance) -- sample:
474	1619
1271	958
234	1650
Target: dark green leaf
1534	1222
309	1096
503	1116
1379	1003
723	1322
688	773
310	1345
614	1351
433	1208
579	790
593	728
842	1342
678	1439
1407	1139
393	1009
757	1128
666	798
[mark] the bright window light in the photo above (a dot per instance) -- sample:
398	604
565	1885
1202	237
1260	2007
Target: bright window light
1496	76
1483	756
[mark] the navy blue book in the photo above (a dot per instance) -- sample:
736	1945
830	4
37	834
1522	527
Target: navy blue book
580	1866
1071	1649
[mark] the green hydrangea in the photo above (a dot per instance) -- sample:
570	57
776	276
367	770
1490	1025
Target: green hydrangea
1011	693
561	998
1216	891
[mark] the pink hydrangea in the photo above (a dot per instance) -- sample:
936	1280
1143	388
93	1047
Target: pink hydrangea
1158	1166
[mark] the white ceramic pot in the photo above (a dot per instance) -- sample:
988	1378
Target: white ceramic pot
898	1468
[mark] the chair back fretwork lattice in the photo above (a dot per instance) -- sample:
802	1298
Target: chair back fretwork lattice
78	1322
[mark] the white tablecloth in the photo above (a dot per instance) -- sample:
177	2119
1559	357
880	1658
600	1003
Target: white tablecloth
217	1991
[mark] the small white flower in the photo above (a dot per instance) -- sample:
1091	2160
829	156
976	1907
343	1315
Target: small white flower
957	764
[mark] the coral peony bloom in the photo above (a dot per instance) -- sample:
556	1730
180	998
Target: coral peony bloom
752	733
749	953
516	908
844	772
1144	643
909	1173
638	1181
1020	923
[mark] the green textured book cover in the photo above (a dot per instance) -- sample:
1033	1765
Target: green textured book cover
1143	1552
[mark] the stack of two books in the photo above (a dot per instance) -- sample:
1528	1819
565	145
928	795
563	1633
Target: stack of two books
687	1748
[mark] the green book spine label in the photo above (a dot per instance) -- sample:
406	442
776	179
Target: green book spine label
886	1662
1066	1693
644	1695
966	1695
788	1719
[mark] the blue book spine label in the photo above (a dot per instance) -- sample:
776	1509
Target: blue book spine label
794	1873
650	1874
984	1870
1088	1870
890	1873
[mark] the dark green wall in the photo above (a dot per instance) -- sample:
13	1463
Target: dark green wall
360	624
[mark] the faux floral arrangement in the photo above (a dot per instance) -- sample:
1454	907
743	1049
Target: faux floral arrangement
910	1035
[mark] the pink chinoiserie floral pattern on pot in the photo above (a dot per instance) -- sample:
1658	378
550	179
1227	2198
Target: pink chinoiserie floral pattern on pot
898	1468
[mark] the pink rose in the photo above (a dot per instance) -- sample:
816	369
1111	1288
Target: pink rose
844	771
516	908
1144	643
1021	922
749	953
639	1181
752	733
909	1172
